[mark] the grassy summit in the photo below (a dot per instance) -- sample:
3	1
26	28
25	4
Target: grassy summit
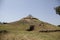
18	30
26	22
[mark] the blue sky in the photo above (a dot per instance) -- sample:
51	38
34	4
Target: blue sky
13	10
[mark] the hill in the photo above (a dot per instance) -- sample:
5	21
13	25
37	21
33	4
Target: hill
29	28
26	23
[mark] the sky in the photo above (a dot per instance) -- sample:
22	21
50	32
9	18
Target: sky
14	10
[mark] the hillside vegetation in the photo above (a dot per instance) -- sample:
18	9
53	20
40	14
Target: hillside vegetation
19	30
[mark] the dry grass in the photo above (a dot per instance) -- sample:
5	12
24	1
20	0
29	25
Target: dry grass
23	35
17	31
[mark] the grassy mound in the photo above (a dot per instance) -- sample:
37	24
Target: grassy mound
18	30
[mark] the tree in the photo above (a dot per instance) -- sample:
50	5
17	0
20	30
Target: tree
58	25
57	9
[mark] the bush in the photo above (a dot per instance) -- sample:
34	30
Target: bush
58	25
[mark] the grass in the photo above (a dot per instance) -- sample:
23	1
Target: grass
17	31
24	35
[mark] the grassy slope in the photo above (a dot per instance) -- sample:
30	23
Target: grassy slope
22	25
17	31
23	35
